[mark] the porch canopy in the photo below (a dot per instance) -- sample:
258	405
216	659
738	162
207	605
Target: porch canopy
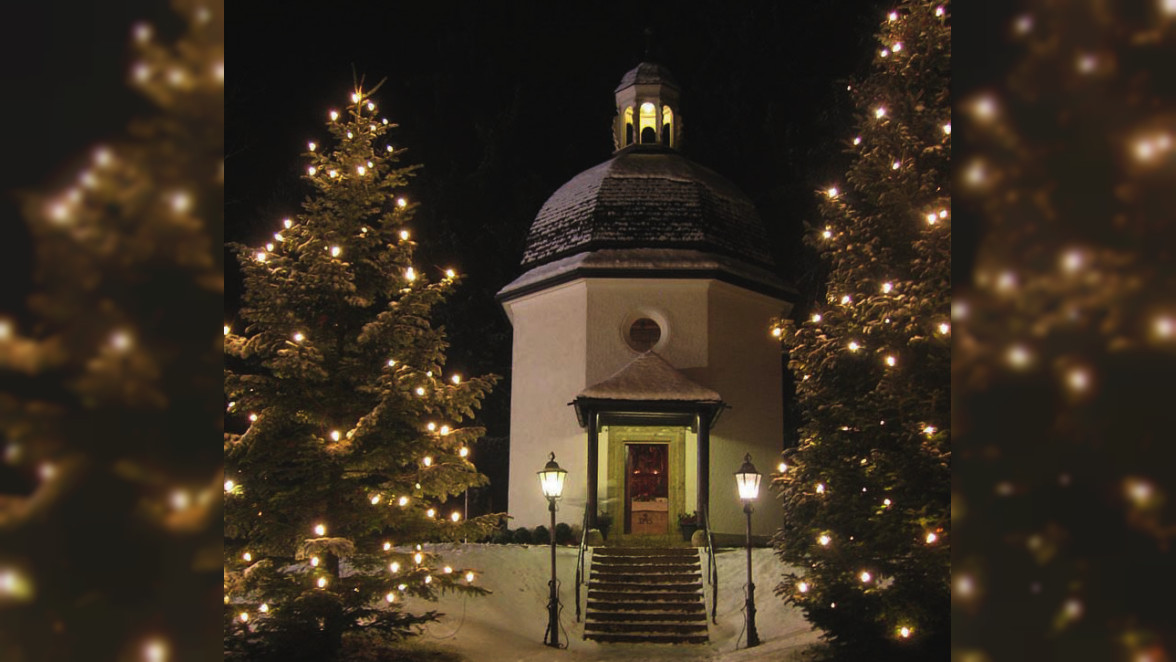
648	391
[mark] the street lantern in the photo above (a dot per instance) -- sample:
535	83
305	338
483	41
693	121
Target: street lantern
551	481
748	480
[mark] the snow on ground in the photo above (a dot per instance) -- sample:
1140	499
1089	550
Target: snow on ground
509	624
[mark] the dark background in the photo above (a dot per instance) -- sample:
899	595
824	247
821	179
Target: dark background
503	102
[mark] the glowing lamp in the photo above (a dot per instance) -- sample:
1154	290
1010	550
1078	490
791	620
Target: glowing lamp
748	480
551	479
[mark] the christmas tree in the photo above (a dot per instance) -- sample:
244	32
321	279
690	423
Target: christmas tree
866	491
108	380
354	439
1065	339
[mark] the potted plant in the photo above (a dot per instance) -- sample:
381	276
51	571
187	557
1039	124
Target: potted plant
688	523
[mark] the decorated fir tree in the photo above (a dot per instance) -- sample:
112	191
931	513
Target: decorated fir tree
108	380
866	492
355	439
1065	338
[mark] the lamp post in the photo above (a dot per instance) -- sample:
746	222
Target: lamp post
748	480
551	480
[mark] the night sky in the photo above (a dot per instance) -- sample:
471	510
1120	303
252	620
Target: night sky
501	103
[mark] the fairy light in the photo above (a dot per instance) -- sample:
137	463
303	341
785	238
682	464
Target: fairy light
944	328
390	597
832	192
336	251
820	488
886	502
1139	491
1019	357
824	539
320	529
269	246
314	561
389	147
156	650
984	108
896	165
803	587
322	582
375	499
404	235
1072	260
879	112
931	537
896	47
929	430
854	346
431	426
247	556
428	461
1168	7
431	513
410	274
905	632
394	567
264	608
1162	327
865	576
401	202
857	140
947	128
244	616
298	337
781	468
391	363
1073	608
311	146
403	501
355	97
455	516
229	485
371	106
777	332
335	435
361	170
1078	379
891	361
444	430
469	577
333	173
450	274
428	579
1087	63
417	558
827	234
350	135
845	298
886	287
334	115
884	52
311	170
892	16
288	223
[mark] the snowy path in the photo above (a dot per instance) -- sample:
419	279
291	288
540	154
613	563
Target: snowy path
509	625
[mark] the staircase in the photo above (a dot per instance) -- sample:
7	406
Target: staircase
642	594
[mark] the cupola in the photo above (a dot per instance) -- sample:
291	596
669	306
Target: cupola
647	108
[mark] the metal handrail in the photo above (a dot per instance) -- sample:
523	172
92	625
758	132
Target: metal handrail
580	561
712	566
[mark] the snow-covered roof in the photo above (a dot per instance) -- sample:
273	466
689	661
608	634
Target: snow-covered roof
649	262
647	196
649	377
647	73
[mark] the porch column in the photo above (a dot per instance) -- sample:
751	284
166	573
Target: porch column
702	422
593	466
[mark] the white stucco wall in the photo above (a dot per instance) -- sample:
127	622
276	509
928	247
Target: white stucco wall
550	329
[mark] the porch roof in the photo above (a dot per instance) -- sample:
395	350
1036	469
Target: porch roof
649	378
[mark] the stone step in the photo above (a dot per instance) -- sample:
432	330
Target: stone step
644	596
689	605
631	638
647	628
595	616
642	587
684	552
629	566
638	578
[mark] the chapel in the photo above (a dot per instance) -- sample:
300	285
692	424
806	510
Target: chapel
642	352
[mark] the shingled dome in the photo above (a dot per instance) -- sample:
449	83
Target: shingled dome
647	73
647	196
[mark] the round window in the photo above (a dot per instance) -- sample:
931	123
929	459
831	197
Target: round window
643	334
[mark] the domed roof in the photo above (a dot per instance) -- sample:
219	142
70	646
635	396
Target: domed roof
647	73
647	196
